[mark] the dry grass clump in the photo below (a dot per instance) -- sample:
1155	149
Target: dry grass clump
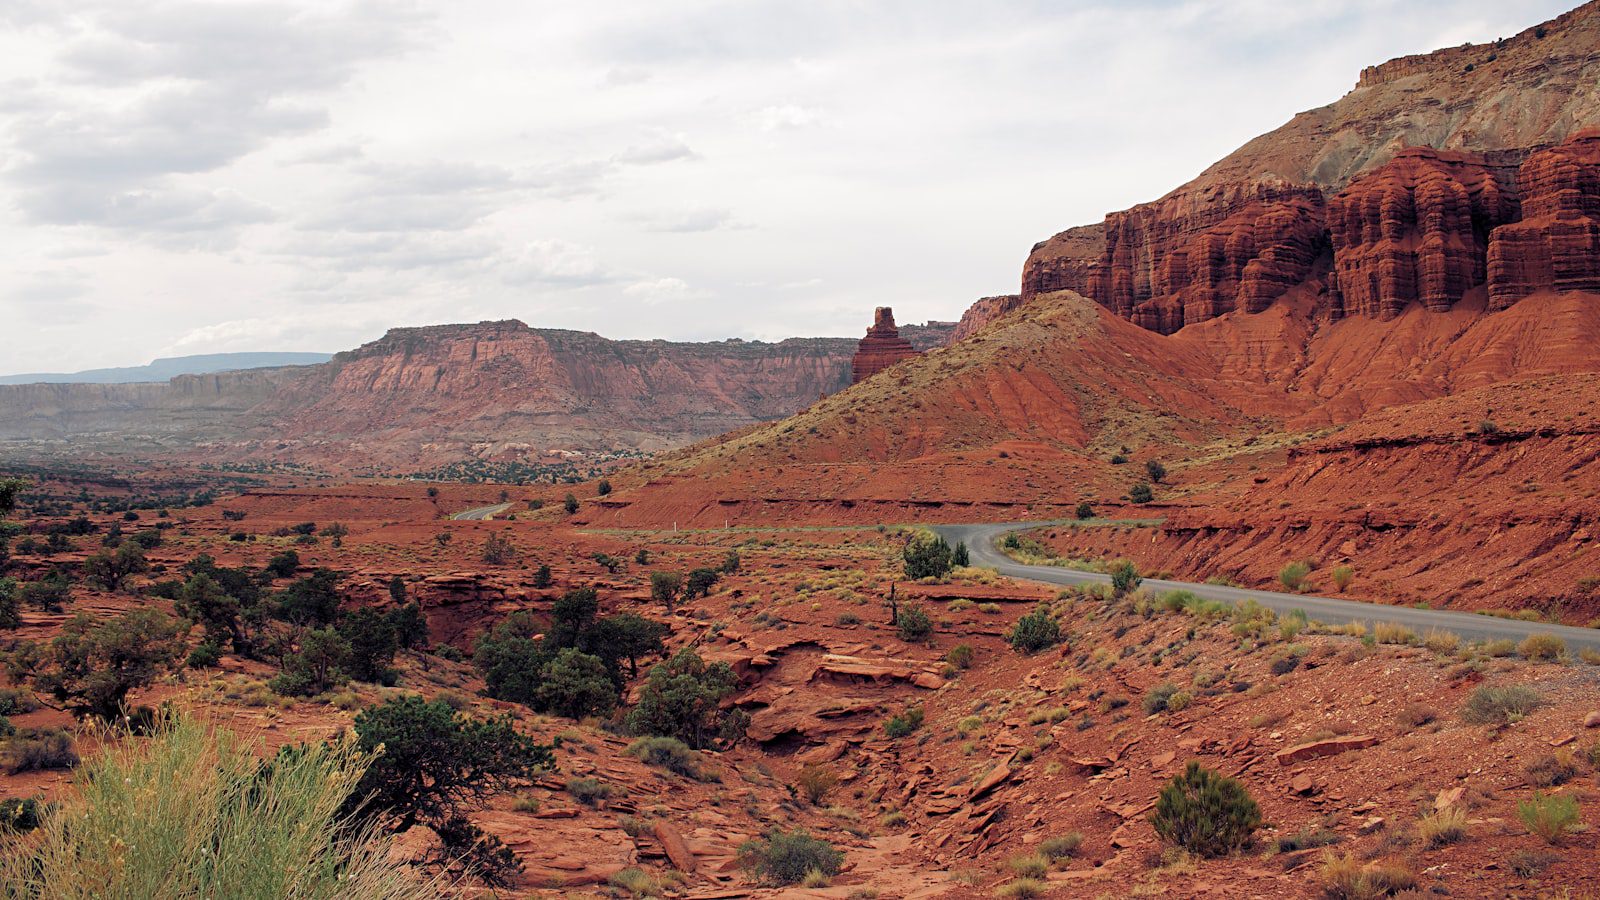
191	812
1439	829
1542	647
1022	889
1391	633
1345	878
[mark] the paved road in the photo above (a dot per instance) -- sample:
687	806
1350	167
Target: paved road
481	513
980	541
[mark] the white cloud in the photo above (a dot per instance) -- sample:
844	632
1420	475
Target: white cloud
282	174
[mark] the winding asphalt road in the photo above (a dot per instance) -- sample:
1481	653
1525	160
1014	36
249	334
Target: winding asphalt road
980	541
481	513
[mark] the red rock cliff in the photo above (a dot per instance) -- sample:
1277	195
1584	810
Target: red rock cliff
881	348
1406	190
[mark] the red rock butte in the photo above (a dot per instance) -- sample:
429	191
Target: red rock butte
881	348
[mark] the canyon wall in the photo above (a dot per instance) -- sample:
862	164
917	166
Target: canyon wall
1440	177
185	405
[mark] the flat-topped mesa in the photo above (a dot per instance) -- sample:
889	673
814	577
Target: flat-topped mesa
881	348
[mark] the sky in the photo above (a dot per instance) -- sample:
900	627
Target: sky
200	177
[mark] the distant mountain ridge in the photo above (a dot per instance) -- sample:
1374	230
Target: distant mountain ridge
168	368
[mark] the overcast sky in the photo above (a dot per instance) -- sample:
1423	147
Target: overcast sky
186	177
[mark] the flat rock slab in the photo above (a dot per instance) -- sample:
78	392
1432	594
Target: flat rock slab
1318	749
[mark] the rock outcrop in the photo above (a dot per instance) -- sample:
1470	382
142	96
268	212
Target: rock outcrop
1556	245
1409	189
881	348
980	314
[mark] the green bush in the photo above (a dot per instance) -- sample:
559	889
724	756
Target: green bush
1205	813
927	555
37	749
1293	576
960	656
192	812
1035	631
92	664
1125	577
682	698
788	857
1141	494
1159	697
903	723
1499	705
1061	846
589	791
1084	511
1550	816
913	624
576	685
668	753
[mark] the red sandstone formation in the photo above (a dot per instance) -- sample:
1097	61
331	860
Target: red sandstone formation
881	348
1556	245
1416	229
1410	225
980	314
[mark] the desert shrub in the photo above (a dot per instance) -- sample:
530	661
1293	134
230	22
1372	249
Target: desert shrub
1205	813
208	819
1125	577
10	603
570	504
681	698
1022	889
1179	701
1542	647
589	791
665	587
1141	494
373	641
637	883
667	753
1342	576
912	624
816	782
319	664
1085	510
927	555
1156	700
37	749
1156	471
787	857
14	701
1284	664
847	619
1391	633
204	656
1499	705
1029	865
50	593
1552	769
960	656
1345	878
903	723
1293	576
1416	715
1446	826
498	550
1442	642
312	600
1035	631
111	569
20	815
1550	816
1061	846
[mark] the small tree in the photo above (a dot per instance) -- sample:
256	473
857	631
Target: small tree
542	577
960	556
498	550
1084	510
927	556
435	766
576	685
572	615
1141	494
603	488
312	600
629	636
410	626
570	504
284	564
730	562
700	582
1156	471
682	698
111	569
336	532
373	643
665	588
1035	631
1205	813
92	664
203	601
1125	578
319	665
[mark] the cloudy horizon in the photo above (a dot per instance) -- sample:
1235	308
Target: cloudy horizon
198	177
